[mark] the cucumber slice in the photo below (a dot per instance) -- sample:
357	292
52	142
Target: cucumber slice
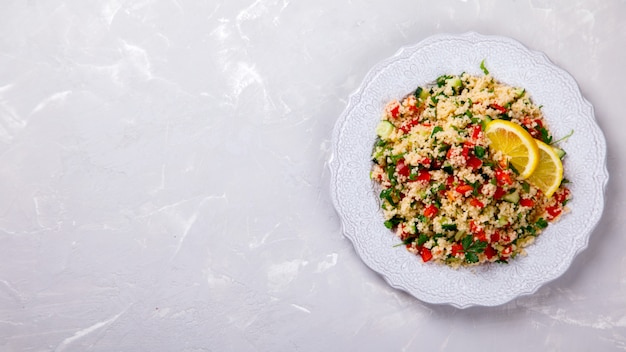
512	197
384	129
485	122
560	152
455	83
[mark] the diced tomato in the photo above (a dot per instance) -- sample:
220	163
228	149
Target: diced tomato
476	203
506	252
426	162
474	162
466	149
476	132
464	188
561	196
526	202
500	192
503	177
395	111
426	254
423	175
490	252
554	211
481	236
450	182
472	227
402	168
407	126
498	107
430	211
495	237
449	153
456	249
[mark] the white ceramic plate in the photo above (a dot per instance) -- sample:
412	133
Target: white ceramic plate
565	109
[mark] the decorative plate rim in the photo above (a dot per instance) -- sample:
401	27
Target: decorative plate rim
402	279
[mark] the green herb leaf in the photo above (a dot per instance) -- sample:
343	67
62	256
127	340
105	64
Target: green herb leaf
564	138
466	242
541	223
435	130
471	257
422	239
479	151
482	67
417	93
545	135
450	227
441	80
526	187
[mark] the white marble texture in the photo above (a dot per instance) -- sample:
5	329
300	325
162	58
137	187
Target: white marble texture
164	182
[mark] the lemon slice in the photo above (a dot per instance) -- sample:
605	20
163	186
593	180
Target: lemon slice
549	172
514	142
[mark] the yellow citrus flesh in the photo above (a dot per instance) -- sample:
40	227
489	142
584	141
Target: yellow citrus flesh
515	143
549	172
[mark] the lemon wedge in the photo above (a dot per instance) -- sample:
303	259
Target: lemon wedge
549	172
516	143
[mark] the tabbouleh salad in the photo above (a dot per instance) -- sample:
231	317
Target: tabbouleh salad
448	196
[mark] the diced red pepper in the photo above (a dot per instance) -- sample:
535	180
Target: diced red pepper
407	126
476	203
561	196
490	252
472	227
554	211
476	131
500	192
498	107
463	188
395	110
474	162
503	177
526	202
423	175
450	182
402	168
456	249
430	211
481	236
466	149
506	252
449	153
426	254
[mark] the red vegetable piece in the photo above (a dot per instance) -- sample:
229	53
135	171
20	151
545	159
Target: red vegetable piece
474	162
402	168
456	249
498	107
500	192
423	175
526	202
430	211
395	110
476	203
490	252
426	254
503	177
